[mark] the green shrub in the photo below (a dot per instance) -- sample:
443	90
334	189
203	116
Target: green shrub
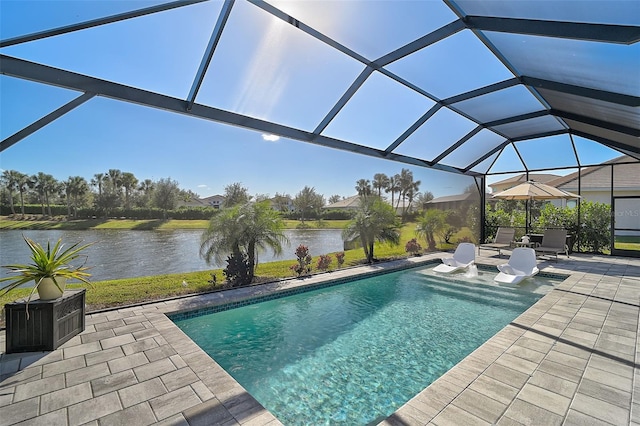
595	231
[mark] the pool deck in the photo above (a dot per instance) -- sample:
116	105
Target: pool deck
572	358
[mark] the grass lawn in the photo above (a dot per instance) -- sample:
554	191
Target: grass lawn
129	291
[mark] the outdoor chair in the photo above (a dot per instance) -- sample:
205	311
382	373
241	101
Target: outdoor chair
463	257
522	264
554	241
503	240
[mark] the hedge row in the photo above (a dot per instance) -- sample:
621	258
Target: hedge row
185	213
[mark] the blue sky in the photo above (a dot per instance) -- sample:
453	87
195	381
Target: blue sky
263	68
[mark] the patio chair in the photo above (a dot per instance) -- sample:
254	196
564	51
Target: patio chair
503	240
463	257
522	264
554	241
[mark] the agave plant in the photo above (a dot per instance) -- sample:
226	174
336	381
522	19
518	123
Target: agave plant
54	263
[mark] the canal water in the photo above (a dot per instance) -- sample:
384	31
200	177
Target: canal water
125	254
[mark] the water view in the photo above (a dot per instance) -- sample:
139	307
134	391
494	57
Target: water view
124	254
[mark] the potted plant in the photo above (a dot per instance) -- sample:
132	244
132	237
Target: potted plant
50	269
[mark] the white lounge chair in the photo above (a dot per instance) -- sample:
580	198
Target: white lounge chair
463	257
522	264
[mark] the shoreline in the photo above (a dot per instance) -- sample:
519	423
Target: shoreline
140	225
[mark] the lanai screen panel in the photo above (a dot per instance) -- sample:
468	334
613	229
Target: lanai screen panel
336	73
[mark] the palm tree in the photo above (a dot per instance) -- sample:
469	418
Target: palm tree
380	182
393	186
363	186
38	184
75	187
308	201
423	198
129	182
23	182
114	177
98	180
10	181
243	230
374	221
146	186
407	185
431	223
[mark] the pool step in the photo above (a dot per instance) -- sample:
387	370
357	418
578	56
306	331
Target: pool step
486	293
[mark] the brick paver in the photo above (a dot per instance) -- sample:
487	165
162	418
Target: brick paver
571	358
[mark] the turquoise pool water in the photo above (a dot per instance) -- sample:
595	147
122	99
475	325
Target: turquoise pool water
353	353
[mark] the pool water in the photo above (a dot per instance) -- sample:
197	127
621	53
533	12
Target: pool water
354	353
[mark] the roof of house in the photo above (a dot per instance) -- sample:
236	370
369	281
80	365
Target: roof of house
212	198
627	176
452	198
352	202
515	180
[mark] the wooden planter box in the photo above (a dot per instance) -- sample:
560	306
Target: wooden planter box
51	323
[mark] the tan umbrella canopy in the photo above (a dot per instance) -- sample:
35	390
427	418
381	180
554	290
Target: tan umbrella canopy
534	191
531	190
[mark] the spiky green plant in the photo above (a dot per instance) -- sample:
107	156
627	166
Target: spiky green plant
51	263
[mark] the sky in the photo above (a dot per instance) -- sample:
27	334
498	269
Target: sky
262	68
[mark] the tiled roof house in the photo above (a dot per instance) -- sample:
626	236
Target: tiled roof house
595	181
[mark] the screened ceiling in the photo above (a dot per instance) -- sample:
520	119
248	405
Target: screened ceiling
452	85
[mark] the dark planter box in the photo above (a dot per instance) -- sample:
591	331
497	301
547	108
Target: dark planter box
51	323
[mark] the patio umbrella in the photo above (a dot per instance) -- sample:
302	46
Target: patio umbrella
531	190
535	191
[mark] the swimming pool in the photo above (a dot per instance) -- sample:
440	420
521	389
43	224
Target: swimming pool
354	353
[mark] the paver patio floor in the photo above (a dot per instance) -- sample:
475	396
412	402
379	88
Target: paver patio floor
572	359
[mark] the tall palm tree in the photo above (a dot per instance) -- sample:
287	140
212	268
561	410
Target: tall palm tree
146	186
406	184
98	180
363	186
23	183
38	184
393	186
75	187
380	182
129	182
374	221
243	230
10	181
114	177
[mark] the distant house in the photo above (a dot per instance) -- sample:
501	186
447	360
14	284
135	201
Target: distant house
454	202
595	182
214	201
194	202
349	203
353	202
505	184
282	204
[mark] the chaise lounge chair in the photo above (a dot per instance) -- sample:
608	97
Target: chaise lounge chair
463	257
522	264
503	240
554	241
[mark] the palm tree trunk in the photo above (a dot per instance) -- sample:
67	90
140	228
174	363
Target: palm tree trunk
22	201
251	249
13	209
